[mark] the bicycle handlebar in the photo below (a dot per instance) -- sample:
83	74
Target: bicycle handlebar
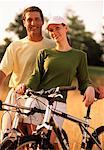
14	106
42	92
45	93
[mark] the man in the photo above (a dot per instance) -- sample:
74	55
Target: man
19	58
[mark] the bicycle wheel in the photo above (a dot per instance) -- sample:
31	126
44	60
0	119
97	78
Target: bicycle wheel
22	143
6	144
31	142
26	143
62	138
99	136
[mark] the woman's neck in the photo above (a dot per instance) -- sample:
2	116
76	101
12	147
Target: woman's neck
63	47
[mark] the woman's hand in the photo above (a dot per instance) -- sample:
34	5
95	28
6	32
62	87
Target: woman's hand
20	89
89	96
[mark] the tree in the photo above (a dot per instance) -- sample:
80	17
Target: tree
17	27
83	40
79	37
94	52
3	47
102	43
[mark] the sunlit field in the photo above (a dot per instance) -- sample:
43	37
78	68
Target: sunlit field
75	106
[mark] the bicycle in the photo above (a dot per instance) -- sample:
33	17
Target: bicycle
41	137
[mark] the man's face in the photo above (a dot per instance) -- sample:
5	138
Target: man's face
33	22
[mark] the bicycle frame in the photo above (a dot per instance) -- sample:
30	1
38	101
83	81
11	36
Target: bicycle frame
84	125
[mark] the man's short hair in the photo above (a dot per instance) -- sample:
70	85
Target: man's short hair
31	9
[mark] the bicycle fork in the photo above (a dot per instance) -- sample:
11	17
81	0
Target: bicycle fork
84	133
13	131
84	138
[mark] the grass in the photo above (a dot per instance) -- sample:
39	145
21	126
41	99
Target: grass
96	71
96	75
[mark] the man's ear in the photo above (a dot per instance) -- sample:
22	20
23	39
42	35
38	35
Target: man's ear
24	23
43	23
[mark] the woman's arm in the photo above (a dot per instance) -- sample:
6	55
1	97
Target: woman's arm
84	82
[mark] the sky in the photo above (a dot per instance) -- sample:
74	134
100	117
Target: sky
90	11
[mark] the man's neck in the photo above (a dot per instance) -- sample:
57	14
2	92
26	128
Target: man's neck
35	38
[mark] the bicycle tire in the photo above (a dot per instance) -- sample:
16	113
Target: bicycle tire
6	144
22	143
62	139
61	136
31	142
26	143
99	136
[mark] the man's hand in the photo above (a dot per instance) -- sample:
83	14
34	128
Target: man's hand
2	77
89	96
20	89
99	92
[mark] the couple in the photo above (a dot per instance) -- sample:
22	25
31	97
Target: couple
40	63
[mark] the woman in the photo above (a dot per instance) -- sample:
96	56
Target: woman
58	66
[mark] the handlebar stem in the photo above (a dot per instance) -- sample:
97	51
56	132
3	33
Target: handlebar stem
47	114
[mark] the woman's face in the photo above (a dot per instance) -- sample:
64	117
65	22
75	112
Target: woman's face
57	32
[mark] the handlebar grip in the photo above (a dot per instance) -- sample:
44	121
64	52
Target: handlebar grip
50	91
88	111
29	92
0	105
66	88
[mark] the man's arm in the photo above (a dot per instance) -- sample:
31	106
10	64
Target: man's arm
2	77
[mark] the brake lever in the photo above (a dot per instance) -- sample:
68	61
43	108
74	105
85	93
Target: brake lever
54	95
59	95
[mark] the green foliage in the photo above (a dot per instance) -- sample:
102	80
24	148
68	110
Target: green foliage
79	37
102	44
3	47
94	52
17	27
83	40
96	71
77	31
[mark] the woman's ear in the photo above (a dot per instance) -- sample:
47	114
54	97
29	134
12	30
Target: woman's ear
67	28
